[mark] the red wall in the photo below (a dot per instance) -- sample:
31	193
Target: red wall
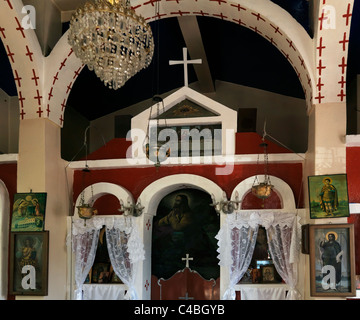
353	173
249	143
8	174
135	180
353	177
252	202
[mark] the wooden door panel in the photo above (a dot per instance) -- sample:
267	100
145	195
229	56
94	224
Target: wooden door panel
184	282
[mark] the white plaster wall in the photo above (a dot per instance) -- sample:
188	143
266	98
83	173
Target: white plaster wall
4	121
41	169
286	117
9	123
226	116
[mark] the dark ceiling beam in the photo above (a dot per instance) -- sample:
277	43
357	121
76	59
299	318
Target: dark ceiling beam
192	36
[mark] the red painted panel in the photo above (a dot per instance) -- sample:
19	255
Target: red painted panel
137	179
182	282
8	174
174	287
353	173
113	149
249	143
108	204
252	202
355	219
155	289
246	143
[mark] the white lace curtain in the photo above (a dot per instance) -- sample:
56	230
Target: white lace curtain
282	241
84	246
237	239
124	245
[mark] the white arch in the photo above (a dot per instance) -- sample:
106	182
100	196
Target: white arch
97	190
4	239
153	193
150	198
279	27
282	189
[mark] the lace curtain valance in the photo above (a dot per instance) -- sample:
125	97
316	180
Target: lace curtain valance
125	249
237	239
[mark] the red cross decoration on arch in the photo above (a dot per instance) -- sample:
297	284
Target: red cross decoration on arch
38	97
319	97
62	64
301	61
2	32
147	285
35	77
347	15
50	93
21	100
220	15
271	40
22	113
20	28
291	44
320	67
29	53
10	54
201	13
321	19
17	78
343	65
319	85
276	29
148	224
258	16
39	112
344	41
342	95
151	2
219	1
8	2
239	22
342	82
320	47
238	6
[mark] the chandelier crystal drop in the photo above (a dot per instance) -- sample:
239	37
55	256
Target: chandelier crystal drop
111	39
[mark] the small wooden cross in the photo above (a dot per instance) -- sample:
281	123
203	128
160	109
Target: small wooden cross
185	62
186	297
187	260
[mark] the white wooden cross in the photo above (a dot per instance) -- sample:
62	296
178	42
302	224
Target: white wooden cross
186	297
187	260
185	62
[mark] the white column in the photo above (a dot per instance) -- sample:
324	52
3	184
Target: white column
41	169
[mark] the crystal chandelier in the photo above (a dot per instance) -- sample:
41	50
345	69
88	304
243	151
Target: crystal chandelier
111	39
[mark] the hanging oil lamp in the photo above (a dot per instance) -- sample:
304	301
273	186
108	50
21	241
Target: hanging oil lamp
86	210
263	189
156	151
